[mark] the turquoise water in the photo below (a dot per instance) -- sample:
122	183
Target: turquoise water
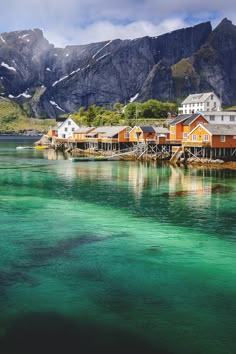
115	257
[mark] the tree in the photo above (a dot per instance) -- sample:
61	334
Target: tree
91	114
119	107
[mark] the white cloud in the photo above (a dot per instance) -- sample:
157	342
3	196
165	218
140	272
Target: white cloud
83	21
102	31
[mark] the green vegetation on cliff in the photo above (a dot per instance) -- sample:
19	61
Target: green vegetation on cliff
119	114
14	118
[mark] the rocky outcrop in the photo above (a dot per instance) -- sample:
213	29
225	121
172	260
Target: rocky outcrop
50	81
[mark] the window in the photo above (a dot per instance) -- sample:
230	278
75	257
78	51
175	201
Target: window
222	118
69	122
66	129
211	97
72	129
63	136
194	137
208	104
212	118
232	118
126	135
206	137
222	138
185	135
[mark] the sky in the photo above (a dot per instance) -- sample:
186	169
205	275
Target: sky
68	22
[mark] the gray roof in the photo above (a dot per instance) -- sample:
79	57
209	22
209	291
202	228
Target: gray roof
191	118
218	113
147	129
58	124
84	129
109	131
221	129
180	118
161	130
197	98
185	118
98	130
115	130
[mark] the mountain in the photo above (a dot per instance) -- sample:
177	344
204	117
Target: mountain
49	81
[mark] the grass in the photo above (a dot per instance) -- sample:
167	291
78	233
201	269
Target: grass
14	118
183	68
232	108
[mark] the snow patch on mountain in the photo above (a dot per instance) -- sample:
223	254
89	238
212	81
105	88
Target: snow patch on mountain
7	66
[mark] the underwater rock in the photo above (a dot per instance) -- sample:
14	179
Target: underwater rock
62	248
219	188
53	333
154	249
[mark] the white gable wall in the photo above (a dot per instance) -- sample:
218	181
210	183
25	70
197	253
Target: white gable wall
67	128
212	104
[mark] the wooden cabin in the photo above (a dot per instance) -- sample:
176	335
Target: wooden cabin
53	131
80	134
116	134
142	134
105	137
212	135
96	135
182	125
162	134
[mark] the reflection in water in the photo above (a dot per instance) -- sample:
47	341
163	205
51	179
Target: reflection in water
182	182
51	154
141	176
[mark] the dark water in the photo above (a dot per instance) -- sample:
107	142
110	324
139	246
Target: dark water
115	257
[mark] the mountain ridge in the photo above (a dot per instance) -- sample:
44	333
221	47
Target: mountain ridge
52	81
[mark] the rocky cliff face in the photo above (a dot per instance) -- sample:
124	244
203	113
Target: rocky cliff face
50	81
211	68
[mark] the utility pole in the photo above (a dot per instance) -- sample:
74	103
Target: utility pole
136	114
221	98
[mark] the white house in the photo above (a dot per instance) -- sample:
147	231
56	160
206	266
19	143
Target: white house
200	102
66	129
221	117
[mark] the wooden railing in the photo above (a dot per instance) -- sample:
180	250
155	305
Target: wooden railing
196	143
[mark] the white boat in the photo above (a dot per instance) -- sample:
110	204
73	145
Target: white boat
24	147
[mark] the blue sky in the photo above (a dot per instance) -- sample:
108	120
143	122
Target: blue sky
66	22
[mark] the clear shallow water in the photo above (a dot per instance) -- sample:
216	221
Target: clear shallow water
111	257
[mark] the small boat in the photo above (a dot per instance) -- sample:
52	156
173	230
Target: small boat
85	158
41	147
25	148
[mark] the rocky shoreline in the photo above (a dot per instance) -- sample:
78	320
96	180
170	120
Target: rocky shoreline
207	163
